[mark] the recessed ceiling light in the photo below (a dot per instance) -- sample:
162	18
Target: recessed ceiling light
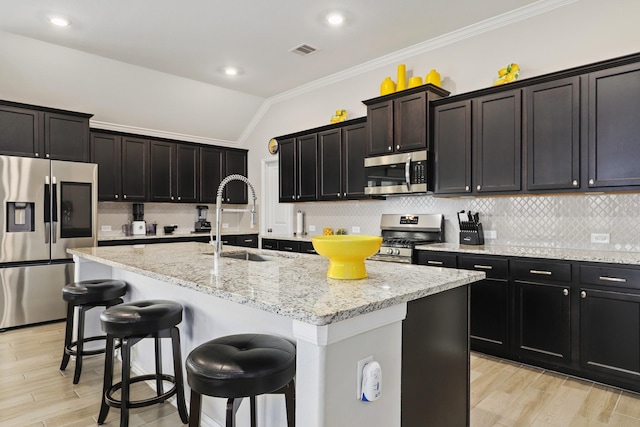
335	19
231	71
59	21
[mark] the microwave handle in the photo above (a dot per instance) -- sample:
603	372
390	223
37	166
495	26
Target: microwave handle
407	172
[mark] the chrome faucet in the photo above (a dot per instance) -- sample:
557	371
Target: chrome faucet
217	243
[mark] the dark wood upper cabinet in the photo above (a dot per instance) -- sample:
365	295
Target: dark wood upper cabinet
106	153
19	132
135	169
354	146
235	163
614	128
497	142
215	164
552	135
211	166
410	122
162	166
380	116
187	172
33	131
330	162
298	158
452	148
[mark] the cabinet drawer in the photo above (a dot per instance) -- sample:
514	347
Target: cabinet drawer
307	248
247	240
288	246
494	267
542	270
437	259
270	244
610	276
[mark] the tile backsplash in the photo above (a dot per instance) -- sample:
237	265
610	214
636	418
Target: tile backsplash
539	221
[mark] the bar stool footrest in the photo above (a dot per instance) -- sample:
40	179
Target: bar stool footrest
72	352
116	403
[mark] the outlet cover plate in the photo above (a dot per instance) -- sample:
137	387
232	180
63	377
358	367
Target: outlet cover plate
600	238
355	229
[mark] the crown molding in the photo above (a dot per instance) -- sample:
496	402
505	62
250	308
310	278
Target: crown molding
160	134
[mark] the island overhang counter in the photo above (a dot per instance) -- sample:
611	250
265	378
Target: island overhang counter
334	323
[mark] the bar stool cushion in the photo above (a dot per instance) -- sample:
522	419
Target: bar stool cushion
140	317
92	291
241	365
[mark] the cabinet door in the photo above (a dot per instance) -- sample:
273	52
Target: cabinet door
410	122
235	163
380	118
610	332
66	137
614	102
354	145
452	146
135	168
210	173
105	152
287	170
187	157
19	132
162	156
497	142
307	168
542	321
330	162
553	135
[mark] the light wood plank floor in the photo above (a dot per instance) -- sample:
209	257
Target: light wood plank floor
33	392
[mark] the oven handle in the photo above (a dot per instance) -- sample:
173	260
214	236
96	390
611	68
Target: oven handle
407	172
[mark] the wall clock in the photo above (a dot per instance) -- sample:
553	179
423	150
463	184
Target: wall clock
273	146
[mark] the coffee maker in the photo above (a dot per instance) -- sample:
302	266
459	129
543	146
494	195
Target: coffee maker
202	224
139	225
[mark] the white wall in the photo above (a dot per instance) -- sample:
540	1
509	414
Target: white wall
39	73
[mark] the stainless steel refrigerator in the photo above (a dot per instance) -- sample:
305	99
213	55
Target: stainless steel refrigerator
46	206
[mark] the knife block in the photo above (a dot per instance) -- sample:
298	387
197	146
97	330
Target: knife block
471	234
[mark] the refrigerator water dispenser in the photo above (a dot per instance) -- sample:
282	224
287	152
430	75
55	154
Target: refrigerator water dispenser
20	217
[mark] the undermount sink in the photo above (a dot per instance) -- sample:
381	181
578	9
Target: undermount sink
247	256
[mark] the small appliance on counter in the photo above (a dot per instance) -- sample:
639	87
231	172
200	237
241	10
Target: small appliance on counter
470	228
202	225
139	226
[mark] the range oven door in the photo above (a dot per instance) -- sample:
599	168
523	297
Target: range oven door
396	173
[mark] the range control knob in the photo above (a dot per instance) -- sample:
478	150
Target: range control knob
390	251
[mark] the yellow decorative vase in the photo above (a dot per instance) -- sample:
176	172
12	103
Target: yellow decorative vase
433	77
402	78
387	86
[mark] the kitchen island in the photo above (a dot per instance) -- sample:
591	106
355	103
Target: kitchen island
335	323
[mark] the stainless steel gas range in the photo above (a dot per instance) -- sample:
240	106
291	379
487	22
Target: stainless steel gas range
402	232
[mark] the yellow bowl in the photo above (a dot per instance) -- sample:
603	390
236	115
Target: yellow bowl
346	254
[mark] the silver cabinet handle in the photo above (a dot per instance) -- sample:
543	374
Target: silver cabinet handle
287	248
435	262
583	294
47	155
565	292
179	198
613	279
293	197
389	148
398	147
171	197
248	240
542	272
483	267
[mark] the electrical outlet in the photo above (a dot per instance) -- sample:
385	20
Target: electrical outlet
490	234
225	225
355	229
105	228
599	237
312	228
360	368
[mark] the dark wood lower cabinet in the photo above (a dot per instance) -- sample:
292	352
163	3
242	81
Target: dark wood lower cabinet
488	316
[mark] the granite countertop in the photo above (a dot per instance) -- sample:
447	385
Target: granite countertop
185	235
290	284
614	257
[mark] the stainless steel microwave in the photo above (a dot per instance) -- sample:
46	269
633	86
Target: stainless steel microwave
396	173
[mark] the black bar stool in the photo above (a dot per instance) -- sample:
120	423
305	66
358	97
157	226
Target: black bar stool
86	295
130	323
238	366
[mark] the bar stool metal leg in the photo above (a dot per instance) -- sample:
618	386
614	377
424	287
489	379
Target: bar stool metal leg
107	379
177	373
126	376
68	335
158	349
194	409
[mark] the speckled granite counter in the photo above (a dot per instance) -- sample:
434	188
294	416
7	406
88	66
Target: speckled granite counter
631	258
292	285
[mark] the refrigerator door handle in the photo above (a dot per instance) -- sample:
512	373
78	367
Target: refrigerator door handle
54	209
47	209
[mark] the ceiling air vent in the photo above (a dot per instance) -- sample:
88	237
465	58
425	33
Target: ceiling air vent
303	49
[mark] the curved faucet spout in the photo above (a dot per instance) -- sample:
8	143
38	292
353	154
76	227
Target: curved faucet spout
217	243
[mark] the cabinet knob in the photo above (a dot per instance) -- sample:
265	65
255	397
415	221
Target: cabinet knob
583	294
298	197
575	183
47	155
293	197
116	196
125	196
565	292
398	147
467	188
37	154
179	198
344	194
171	197
479	187
338	195
389	148
591	182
